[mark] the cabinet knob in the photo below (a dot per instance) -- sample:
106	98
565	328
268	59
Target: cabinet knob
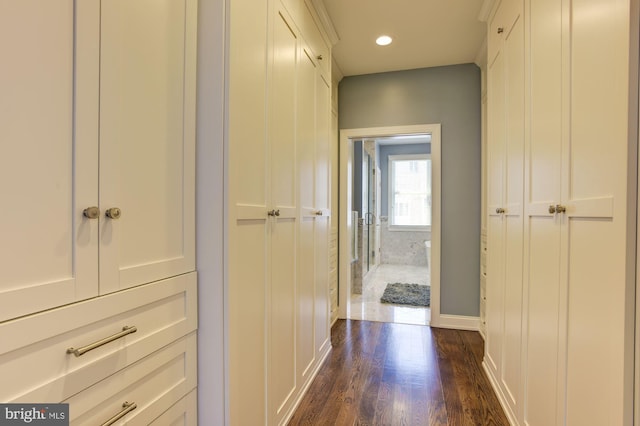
560	208
552	209
91	212
319	57
113	213
500	30
273	213
500	210
319	213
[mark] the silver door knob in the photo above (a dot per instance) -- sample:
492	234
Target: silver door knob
552	209
560	208
113	213
91	212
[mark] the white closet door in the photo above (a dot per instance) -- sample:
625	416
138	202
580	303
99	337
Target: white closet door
542	227
248	239
147	140
48	155
513	217
306	253
495	202
282	301
598	296
322	204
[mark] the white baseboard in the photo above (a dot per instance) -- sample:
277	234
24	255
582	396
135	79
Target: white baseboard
307	384
503	401
457	322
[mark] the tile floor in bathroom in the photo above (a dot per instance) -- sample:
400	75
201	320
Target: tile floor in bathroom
367	306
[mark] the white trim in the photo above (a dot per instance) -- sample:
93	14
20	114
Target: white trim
306	386
457	322
481	56
498	391
345	225
336	73
318	5
485	10
211	186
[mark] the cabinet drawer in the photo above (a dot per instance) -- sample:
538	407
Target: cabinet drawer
182	413
152	384
34	358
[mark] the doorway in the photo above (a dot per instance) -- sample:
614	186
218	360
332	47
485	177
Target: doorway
363	213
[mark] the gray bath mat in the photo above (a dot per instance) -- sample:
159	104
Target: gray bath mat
407	294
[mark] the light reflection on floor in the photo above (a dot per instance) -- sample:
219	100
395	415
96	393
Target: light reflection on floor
367	306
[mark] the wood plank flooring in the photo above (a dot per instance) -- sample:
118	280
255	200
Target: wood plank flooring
398	374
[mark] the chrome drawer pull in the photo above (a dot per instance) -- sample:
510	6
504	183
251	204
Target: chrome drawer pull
127	407
83	350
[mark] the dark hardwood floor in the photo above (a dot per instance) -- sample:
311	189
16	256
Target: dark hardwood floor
397	374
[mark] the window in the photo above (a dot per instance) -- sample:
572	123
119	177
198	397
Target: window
410	191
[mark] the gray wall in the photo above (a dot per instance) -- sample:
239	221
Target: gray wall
449	96
384	153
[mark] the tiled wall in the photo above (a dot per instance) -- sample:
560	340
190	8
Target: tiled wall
402	247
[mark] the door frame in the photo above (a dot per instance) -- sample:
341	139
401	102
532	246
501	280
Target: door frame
345	196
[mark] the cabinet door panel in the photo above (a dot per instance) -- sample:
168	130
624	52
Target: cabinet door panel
595	357
306	298
495	226
306	141
514	143
322	194
541	369
147	140
283	228
47	163
595	190
543	229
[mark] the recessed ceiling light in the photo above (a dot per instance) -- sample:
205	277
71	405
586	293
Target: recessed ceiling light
383	40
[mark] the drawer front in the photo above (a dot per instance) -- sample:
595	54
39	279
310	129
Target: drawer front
152	384
182	413
34	358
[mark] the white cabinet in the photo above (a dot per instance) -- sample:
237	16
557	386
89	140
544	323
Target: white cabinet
504	199
278	209
97	154
141	392
314	169
147	140
560	277
577	207
99	112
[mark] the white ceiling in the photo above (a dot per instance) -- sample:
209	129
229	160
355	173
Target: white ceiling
426	33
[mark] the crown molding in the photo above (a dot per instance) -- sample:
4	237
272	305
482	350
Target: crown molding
318	5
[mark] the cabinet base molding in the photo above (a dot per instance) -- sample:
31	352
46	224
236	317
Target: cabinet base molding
500	395
305	388
457	322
